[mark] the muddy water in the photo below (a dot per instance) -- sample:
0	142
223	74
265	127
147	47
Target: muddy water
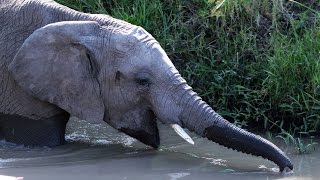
99	152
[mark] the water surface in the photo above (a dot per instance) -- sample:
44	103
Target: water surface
99	152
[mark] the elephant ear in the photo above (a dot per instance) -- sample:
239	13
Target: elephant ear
56	63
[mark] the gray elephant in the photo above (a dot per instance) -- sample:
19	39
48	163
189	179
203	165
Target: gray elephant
56	62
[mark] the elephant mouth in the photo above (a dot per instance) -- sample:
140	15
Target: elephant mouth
141	124
150	139
146	129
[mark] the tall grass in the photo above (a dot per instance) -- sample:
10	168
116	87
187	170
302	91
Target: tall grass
293	79
256	62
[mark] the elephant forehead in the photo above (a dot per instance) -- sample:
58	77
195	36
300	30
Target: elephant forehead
139	57
159	58
149	59
125	39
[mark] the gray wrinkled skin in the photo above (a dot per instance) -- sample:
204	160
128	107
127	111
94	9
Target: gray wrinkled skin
97	68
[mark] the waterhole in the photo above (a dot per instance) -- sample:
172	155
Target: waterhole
100	152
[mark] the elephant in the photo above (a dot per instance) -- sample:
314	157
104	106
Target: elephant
56	62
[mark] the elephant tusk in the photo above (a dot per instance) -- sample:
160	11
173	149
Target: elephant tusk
178	129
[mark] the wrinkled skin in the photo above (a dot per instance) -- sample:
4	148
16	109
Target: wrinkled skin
57	62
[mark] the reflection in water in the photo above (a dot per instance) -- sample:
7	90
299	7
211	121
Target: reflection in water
100	152
175	176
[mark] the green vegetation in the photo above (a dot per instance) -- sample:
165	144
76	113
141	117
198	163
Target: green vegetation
257	62
302	146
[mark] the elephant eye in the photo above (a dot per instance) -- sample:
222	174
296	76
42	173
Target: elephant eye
143	81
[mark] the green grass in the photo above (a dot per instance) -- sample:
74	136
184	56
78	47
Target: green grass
256	62
293	80
302	145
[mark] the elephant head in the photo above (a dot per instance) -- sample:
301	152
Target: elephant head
122	76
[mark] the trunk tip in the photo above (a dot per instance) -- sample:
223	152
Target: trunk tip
287	171
287	168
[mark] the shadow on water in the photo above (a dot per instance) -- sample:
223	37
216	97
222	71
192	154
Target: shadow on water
100	152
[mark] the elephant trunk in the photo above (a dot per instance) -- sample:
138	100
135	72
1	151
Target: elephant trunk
199	117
